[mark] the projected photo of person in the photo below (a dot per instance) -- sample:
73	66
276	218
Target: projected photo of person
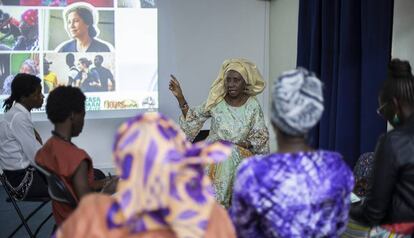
4	68
82	22
92	72
89	79
56	3
20	63
50	80
106	78
137	4
19	29
73	79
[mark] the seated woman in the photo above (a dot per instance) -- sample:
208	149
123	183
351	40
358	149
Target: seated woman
19	140
65	108
297	191
390	198
236	116
162	192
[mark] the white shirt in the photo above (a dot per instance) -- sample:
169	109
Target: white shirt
18	144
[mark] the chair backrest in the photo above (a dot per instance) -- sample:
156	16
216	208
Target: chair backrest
202	135
57	188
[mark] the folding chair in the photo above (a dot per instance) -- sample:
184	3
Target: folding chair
56	188
24	220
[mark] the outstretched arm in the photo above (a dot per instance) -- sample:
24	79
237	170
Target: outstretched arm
175	88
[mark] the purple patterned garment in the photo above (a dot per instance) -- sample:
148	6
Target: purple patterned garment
304	194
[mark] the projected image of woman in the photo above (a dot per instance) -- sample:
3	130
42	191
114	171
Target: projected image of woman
29	66
80	22
236	117
89	79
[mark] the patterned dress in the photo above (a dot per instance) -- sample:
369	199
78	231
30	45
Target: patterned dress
305	194
239	125
363	173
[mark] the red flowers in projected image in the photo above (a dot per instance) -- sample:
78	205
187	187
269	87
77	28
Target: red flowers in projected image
30	17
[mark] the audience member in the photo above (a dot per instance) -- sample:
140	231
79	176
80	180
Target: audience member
162	191
388	209
19	140
65	108
297	191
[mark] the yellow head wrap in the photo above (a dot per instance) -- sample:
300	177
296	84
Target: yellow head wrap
251	75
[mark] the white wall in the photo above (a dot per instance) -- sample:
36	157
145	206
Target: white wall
403	31
195	37
283	43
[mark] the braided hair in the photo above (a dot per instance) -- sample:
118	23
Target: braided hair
399	83
23	85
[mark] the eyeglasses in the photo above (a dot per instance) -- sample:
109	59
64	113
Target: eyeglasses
381	108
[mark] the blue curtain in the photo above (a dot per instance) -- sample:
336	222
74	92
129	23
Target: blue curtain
347	43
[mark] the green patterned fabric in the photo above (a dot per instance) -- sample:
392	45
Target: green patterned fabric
243	126
358	230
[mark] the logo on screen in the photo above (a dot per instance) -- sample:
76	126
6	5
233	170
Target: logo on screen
124	104
148	102
93	104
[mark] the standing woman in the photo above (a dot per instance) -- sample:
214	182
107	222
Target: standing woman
236	117
19	140
80	22
89	79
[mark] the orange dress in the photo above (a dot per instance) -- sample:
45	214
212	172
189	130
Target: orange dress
63	158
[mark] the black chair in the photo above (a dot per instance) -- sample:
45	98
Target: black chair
202	135
24	220
56	188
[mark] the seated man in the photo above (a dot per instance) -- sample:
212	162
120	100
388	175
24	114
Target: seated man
63	158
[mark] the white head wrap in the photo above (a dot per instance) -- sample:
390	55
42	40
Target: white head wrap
297	101
32	65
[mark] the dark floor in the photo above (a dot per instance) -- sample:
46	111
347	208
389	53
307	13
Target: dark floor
9	219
